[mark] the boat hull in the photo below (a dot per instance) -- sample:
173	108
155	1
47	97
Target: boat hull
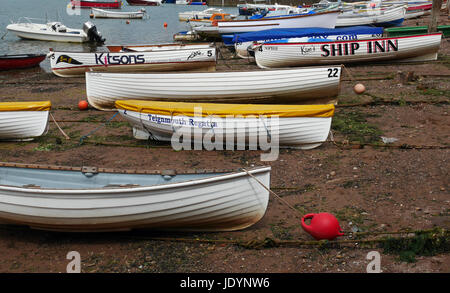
9	62
98	13
23	125
297	132
216	202
96	4
322	20
143	3
409	48
242	48
69	64
384	18
42	33
290	86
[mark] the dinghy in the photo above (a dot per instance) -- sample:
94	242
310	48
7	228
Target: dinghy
321	19
23	120
392	16
292	86
300	126
90	199
69	64
20	61
406	49
55	31
100	13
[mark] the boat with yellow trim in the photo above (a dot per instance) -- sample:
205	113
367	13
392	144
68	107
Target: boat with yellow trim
243	125
23	120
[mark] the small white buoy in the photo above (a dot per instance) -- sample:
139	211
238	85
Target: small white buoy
359	88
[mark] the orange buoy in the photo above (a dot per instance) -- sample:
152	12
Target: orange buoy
359	88
165	24
83	105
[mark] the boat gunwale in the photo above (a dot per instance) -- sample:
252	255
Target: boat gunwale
177	74
228	174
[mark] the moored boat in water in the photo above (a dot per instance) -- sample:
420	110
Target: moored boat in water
90	199
55	31
113	4
144	2
100	13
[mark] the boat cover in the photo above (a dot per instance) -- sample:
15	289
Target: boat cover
300	32
224	110
25	106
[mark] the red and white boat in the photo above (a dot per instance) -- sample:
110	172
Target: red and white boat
144	2
113	4
20	61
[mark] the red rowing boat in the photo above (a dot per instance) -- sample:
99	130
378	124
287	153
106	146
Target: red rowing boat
20	61
116	4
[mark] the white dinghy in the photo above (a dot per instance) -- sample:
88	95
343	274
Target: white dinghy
301	85
299	126
69	64
100	13
90	199
23	120
415	48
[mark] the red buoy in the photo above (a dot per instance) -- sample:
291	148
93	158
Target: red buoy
322	226
83	105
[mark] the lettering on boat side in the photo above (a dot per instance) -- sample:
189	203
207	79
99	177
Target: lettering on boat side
226	283
231	132
106	58
305	50
345	49
199	53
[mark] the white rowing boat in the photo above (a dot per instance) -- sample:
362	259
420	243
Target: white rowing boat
100	13
68	64
23	120
385	17
88	199
406	49
301	85
322	19
300	126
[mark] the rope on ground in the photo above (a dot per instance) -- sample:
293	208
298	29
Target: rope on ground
101	126
436	233
56	123
273	193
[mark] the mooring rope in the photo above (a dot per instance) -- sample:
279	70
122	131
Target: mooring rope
101	126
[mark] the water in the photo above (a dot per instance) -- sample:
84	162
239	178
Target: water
150	30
